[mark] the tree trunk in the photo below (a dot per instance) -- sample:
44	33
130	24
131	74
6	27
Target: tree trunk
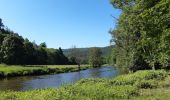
78	66
153	66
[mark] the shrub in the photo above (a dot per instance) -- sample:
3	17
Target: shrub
160	75
91	80
145	84
1	74
165	83
124	80
131	79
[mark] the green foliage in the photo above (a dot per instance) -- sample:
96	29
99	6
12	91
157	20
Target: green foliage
85	53
146	85
41	56
11	71
43	45
30	52
131	79
72	60
111	59
95	57
14	50
142	34
1	24
76	56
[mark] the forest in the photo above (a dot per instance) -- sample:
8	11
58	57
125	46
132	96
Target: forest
15	50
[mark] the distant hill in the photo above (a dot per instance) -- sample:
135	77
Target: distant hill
105	51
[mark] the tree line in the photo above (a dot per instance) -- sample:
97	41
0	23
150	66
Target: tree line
142	34
93	56
15	50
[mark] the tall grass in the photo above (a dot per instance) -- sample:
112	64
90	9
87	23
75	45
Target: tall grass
9	71
137	86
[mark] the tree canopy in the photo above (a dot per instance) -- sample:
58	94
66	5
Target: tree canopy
1	24
95	57
142	35
14	49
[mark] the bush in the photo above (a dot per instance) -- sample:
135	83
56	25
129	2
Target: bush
165	83
124	80
160	75
131	79
145	84
1	74
91	81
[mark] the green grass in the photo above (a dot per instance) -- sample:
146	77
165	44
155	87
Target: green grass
9	71
142	85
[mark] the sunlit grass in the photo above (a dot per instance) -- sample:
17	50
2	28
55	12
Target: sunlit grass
142	85
16	70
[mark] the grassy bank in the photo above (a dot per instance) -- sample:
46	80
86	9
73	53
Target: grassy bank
10	71
148	85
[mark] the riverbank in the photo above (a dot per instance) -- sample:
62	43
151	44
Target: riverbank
148	85
12	71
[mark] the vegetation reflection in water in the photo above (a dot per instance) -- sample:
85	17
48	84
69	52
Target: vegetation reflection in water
57	80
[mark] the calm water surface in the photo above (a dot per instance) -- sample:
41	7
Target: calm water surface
57	80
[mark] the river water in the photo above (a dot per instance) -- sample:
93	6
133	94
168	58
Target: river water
57	80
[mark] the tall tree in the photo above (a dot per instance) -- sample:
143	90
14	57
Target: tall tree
15	50
44	45
60	58
95	57
30	56
12	49
77	56
42	56
142	33
1	24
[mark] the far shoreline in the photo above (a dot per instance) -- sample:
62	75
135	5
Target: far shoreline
7	71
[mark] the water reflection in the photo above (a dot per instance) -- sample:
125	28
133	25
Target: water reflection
54	81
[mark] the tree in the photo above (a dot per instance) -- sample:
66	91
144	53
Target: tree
142	32
43	45
63	58
51	56
60	58
95	57
41	56
15	50
72	61
77	56
1	24
111	59
12	49
30	56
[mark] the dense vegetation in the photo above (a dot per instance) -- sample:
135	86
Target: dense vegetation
95	57
14	50
106	51
142	35
13	71
147	85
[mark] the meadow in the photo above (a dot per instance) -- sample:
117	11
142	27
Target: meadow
148	85
16	70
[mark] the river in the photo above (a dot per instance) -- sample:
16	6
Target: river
56	80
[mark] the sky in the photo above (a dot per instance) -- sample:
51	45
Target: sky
61	23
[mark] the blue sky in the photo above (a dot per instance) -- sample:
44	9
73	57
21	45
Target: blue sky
61	23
